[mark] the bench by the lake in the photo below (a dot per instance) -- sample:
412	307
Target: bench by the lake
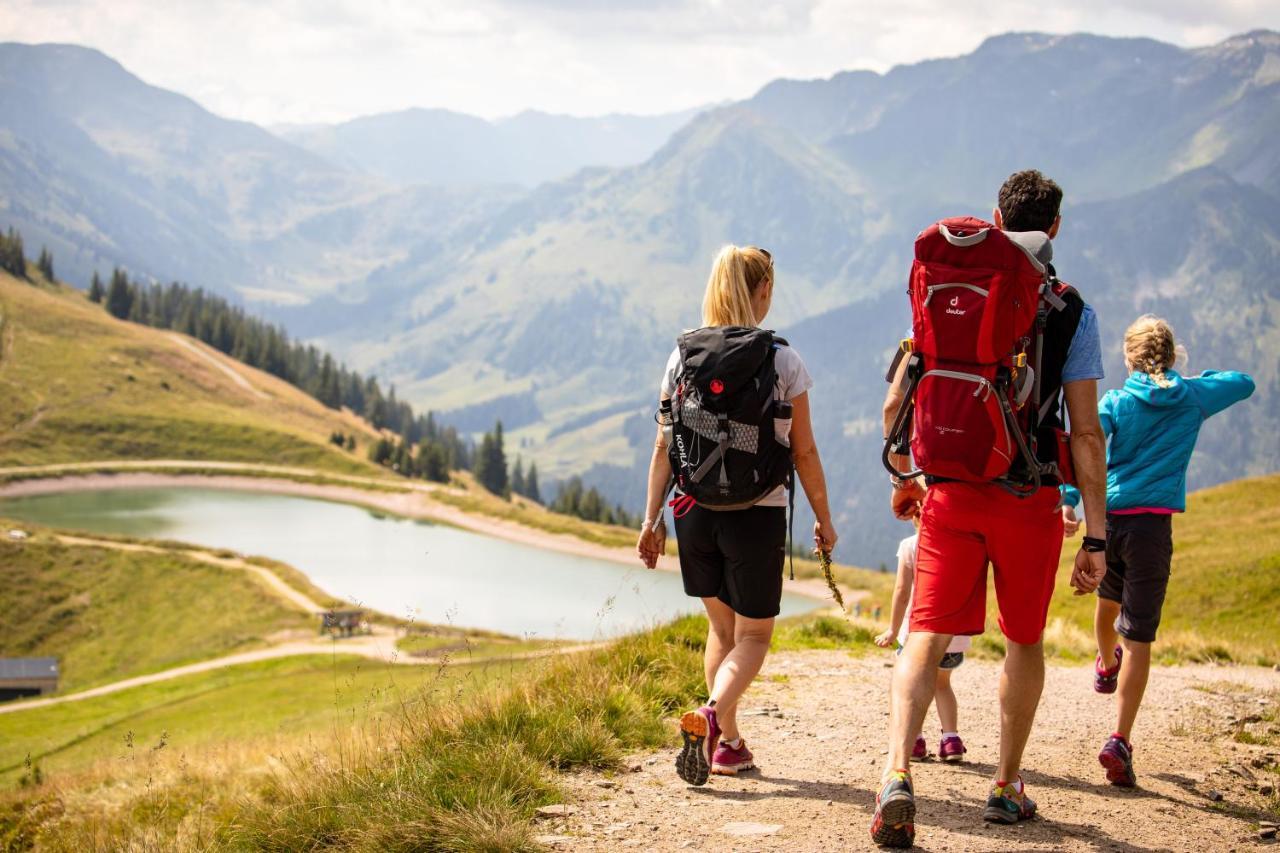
21	677
343	623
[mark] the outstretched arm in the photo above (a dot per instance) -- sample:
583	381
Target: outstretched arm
1217	390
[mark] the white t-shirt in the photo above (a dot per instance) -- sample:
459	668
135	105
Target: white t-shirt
793	380
907	558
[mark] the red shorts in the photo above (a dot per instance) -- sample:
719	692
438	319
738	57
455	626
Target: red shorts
963	526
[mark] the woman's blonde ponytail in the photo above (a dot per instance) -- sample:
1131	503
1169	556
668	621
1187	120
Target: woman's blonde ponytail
736	274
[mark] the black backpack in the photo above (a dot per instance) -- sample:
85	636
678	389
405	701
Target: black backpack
723	449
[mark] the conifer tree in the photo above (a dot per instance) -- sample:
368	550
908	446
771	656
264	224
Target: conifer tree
96	290
119	295
12	257
45	264
531	484
517	477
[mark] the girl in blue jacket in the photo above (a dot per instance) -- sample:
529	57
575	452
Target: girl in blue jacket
1152	423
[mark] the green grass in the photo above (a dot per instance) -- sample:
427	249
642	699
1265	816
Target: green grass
454	764
269	702
81	386
826	632
109	614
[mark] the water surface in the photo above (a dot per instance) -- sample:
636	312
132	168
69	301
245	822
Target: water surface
434	573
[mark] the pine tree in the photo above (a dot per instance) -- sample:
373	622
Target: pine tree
96	290
45	264
119	294
491	463
517	478
12	258
328	391
484	457
531	484
433	463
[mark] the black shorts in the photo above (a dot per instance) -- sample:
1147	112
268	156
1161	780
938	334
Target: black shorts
735	556
1139	551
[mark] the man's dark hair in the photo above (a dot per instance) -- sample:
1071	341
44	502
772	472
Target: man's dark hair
1029	201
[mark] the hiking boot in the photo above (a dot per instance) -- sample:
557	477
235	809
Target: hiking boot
701	734
1105	680
893	824
1117	758
729	761
952	750
1008	805
921	750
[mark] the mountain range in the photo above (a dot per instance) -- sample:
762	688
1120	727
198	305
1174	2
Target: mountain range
445	148
413	244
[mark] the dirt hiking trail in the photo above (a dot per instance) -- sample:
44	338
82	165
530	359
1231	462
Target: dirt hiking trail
816	722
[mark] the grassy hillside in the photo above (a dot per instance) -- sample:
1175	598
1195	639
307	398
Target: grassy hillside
459	762
248	710
80	386
109	614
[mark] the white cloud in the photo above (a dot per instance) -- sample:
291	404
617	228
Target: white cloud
326	60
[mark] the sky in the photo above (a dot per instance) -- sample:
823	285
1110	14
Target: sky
305	61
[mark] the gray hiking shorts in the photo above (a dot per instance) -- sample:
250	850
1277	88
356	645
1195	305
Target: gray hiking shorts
1139	551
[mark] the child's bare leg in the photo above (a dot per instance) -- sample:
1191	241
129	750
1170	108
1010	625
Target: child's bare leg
1104	629
944	699
1133	683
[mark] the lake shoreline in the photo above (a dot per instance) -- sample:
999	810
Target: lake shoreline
415	505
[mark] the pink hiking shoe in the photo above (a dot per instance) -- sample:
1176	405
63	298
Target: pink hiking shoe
729	761
1105	680
921	750
701	735
952	750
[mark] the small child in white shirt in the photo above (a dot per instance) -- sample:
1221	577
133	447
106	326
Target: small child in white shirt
951	748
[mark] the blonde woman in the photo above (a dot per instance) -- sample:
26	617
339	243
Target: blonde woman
733	400
1152	423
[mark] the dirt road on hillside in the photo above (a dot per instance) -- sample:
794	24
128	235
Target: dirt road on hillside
821	756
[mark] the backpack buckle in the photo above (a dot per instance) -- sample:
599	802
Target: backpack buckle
1020	360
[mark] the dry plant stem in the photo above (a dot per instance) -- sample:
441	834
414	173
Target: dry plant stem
824	560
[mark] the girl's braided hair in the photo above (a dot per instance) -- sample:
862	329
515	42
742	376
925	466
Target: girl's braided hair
1150	348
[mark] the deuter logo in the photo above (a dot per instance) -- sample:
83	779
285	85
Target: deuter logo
946	430
959	312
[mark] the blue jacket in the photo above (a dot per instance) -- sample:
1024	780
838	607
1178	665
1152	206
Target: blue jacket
1153	431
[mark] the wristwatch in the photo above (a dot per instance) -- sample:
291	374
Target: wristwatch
1093	545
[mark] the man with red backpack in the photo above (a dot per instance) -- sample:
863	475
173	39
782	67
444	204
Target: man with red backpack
998	346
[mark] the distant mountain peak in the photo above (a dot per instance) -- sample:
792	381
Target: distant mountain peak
1017	42
1254	38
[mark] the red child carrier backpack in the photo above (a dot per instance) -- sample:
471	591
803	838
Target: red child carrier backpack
980	298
